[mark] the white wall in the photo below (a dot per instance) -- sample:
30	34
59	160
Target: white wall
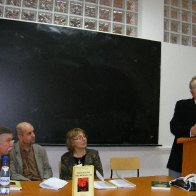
177	68
151	19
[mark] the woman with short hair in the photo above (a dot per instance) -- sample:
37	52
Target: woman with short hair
78	154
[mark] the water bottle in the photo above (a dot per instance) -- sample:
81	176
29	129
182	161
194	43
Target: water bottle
5	177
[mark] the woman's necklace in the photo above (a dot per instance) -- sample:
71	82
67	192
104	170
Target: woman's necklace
80	157
79	161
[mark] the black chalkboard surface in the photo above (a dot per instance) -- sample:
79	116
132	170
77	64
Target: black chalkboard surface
59	78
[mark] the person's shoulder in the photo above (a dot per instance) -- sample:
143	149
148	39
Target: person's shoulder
184	101
15	147
91	151
39	147
66	155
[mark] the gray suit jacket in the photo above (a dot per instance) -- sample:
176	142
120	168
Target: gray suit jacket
16	165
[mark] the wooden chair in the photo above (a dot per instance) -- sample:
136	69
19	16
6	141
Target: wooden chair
125	163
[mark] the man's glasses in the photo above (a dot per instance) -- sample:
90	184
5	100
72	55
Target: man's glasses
11	141
193	88
8	141
80	138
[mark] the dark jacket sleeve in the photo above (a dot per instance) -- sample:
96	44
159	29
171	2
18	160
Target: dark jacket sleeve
98	165
67	164
92	158
183	118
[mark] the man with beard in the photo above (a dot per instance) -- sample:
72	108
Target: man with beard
28	161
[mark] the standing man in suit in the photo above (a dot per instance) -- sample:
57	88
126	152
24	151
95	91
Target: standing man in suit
28	161
183	124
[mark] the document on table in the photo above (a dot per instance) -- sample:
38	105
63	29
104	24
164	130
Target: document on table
15	185
122	183
53	183
104	185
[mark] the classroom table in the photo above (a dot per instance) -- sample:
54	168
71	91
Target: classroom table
143	188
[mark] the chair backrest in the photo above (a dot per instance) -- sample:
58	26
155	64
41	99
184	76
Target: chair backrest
125	163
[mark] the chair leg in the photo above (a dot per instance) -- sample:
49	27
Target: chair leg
111	173
138	173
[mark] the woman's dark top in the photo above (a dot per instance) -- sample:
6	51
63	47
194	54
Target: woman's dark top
68	161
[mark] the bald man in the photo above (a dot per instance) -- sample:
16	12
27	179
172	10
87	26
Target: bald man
28	161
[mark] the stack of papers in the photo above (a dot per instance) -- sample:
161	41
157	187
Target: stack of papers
122	183
112	184
53	183
15	185
103	185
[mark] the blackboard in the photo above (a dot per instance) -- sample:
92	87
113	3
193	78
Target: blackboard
58	78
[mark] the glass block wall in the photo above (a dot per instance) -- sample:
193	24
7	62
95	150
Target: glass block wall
112	16
180	22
